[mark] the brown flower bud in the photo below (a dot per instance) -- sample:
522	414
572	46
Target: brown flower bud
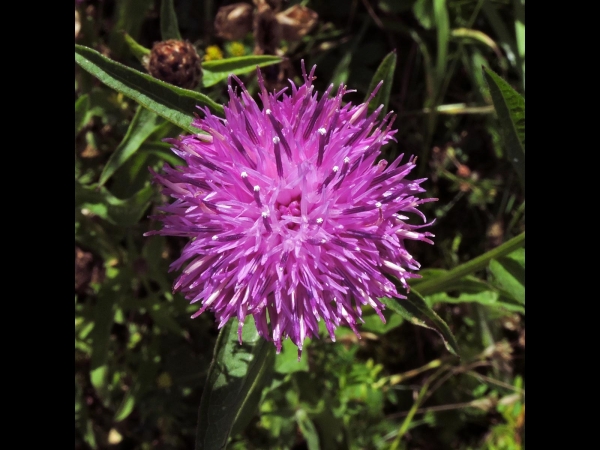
234	21
296	22
175	62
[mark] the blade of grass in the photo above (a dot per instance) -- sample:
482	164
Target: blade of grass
169	28
439	284
385	73
143	124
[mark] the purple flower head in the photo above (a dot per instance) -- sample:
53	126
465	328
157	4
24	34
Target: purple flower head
291	218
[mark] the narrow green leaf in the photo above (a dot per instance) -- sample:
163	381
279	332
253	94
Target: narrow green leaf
82	107
139	51
102	203
146	375
505	37
308	429
218	70
175	104
169	28
519	8
491	297
442	21
385	73
143	124
126	407
423	11
415	310
440	284
163	151
510	107
104	313
509	273
236	374
342	70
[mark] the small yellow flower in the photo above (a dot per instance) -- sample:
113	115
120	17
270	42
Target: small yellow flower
213	52
237	49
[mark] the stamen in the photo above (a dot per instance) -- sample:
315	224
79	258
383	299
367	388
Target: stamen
257	196
362	234
208	164
386	175
328	179
198	183
210	205
265	216
240	148
278	157
322	138
359	209
244	176
345	168
278	129
210	229
250	131
317	112
233	237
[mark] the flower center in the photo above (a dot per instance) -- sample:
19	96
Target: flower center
287	208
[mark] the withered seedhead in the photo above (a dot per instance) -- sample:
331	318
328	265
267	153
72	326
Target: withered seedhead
233	22
175	62
296	22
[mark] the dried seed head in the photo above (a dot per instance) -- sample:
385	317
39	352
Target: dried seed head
234	21
175	62
296	22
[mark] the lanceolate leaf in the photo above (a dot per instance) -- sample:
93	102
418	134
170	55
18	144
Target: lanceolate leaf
236	375
416	310
509	273
123	212
143	124
510	107
220	69
82	106
169	28
385	73
175	104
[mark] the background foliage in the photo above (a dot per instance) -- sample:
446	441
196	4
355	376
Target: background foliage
142	365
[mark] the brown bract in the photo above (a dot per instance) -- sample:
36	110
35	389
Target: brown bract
175	62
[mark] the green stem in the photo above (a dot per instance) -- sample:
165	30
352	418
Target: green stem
438	284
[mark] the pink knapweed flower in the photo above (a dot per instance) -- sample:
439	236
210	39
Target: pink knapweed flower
290	217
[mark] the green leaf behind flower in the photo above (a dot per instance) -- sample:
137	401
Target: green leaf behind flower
415	309
175	104
385	73
220	69
143	124
169	28
510	107
234	384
